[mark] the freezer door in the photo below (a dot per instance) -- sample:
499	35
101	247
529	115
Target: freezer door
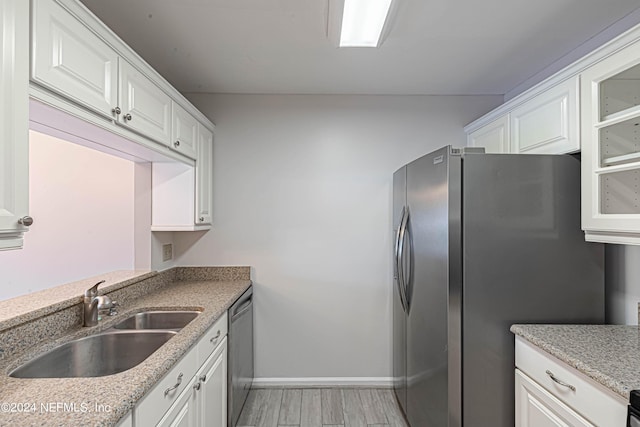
525	261
399	314
427	249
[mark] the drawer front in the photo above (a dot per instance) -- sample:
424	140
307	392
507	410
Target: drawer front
155	403
536	407
211	339
590	399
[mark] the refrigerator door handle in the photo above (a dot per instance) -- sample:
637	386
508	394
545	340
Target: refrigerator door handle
406	275
402	285
396	267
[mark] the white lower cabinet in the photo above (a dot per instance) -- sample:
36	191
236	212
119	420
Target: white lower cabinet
203	403
551	393
536	407
211	396
192	393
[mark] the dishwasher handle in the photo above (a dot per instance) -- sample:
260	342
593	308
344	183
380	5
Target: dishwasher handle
241	306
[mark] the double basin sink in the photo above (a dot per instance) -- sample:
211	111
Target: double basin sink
122	347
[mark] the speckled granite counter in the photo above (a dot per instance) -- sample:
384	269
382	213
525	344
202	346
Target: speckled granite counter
103	401
609	354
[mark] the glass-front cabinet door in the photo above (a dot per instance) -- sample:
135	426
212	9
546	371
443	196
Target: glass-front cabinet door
610	116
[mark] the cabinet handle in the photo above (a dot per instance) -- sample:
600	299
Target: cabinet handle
176	144
170	389
562	383
116	111
128	117
214	339
201	219
203	378
196	386
26	221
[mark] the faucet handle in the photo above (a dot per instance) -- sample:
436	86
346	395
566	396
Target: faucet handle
105	303
93	291
113	310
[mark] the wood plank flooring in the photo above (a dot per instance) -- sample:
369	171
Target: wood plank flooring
321	407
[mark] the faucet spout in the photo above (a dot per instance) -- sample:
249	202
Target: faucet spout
90	305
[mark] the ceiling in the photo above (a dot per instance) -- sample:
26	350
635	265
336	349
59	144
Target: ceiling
435	47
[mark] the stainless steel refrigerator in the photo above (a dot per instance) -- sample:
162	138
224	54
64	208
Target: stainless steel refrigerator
483	241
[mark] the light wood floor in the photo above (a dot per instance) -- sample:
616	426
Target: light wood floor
314	407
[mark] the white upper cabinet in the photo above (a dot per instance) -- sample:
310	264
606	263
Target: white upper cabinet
80	67
14	122
611	148
178	185
548	123
204	176
184	131
494	137
71	60
144	107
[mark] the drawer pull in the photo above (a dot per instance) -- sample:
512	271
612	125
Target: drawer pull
170	389
214	339
562	383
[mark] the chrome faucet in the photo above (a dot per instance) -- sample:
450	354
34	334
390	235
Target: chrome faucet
93	304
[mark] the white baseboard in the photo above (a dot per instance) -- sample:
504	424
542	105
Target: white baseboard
313	382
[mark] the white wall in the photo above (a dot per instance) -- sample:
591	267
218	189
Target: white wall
302	193
82	204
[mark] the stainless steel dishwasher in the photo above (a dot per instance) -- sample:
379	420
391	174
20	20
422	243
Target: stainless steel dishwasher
240	360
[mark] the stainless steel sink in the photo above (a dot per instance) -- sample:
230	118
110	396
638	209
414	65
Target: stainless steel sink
95	356
167	320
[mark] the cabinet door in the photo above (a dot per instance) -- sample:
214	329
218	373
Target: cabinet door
204	176
611	148
183	413
212	399
70	59
144	107
184	131
14	121
494	137
536	407
168	393
548	123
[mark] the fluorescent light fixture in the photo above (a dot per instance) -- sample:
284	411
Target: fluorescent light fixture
362	22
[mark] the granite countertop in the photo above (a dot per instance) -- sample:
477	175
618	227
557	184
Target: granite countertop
102	401
609	354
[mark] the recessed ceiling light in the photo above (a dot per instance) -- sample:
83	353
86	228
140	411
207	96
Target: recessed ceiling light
362	22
